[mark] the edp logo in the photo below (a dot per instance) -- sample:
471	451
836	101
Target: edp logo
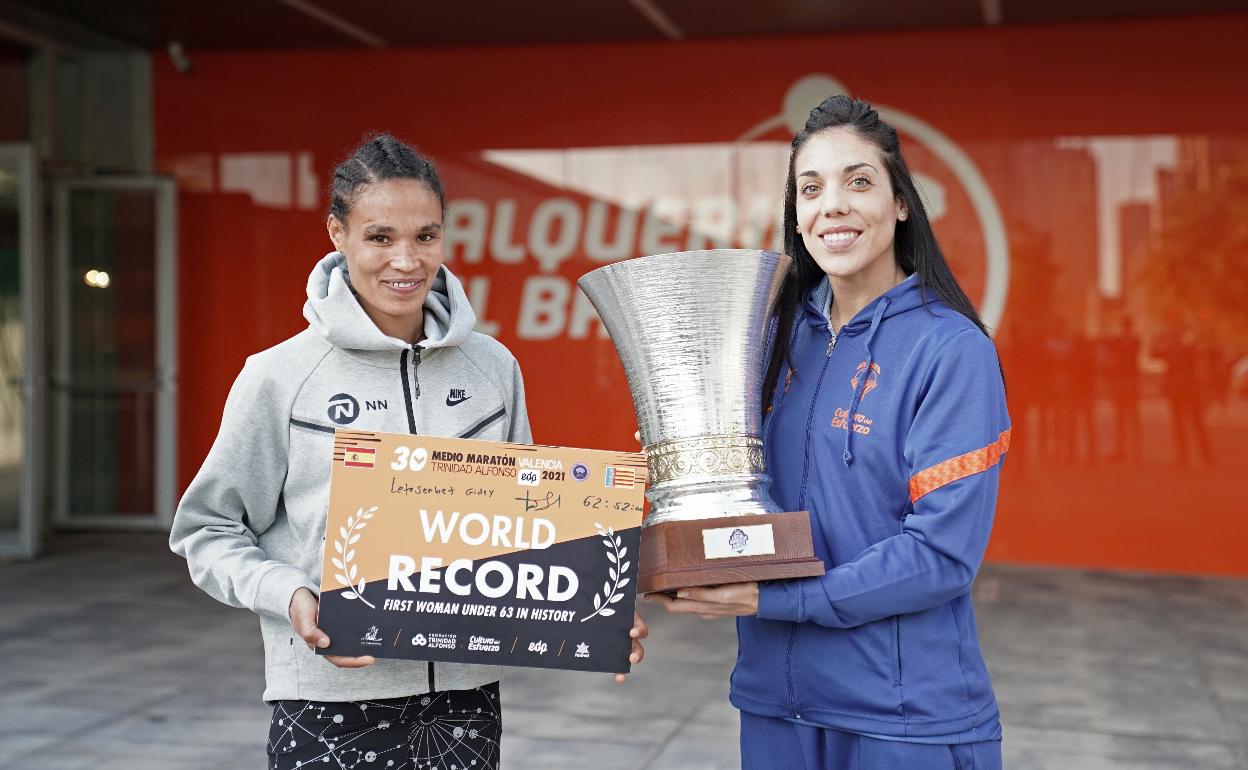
527	478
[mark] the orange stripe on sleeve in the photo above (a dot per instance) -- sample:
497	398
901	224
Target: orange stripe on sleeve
958	467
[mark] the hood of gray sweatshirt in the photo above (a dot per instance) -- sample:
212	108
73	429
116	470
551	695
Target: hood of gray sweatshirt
336	315
251	524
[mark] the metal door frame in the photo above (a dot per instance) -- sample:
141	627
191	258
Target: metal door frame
166	382
30	509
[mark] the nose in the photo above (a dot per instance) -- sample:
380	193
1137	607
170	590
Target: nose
403	257
835	202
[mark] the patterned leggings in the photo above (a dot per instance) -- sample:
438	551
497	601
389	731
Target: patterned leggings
448	730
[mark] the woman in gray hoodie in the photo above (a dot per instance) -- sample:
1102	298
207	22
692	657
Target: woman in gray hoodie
389	347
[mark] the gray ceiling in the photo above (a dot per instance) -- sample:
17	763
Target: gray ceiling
251	24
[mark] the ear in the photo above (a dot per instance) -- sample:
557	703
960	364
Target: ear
902	211
337	233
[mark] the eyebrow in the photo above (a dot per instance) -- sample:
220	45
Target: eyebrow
848	170
387	229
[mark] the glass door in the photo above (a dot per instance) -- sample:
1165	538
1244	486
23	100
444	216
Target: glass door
20	364
114	379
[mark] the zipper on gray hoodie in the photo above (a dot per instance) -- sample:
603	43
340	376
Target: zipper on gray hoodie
251	524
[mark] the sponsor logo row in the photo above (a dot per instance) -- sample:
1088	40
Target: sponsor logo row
475	643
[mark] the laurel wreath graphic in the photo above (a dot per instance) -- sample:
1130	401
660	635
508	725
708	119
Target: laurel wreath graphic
611	593
350	534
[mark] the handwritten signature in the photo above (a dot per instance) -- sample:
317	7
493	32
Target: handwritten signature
551	500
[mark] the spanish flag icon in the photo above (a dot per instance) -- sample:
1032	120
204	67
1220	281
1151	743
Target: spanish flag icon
359	457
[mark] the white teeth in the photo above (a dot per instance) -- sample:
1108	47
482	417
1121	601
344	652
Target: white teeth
836	240
402	284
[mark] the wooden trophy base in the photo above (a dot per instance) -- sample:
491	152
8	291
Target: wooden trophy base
731	549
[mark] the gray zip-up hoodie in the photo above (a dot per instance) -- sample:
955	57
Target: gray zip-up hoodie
252	523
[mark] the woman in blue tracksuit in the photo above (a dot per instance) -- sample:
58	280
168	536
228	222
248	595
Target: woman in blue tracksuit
887	421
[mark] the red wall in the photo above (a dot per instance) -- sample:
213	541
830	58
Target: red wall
1143	126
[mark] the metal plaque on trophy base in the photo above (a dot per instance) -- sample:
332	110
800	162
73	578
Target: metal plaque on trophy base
690	329
678	554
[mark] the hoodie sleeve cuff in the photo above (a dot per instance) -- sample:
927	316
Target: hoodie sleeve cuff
782	600
276	589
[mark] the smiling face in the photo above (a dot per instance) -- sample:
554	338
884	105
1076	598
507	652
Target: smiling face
847	212
392	240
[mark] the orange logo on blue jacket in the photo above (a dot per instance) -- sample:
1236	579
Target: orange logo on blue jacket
872	378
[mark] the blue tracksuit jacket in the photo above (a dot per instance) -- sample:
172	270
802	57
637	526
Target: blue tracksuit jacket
891	435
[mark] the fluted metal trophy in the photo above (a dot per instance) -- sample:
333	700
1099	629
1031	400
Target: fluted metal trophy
690	328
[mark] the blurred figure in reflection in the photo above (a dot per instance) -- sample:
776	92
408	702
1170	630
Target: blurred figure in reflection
1216	363
1022	376
1082	376
1122	363
1060	368
1186	392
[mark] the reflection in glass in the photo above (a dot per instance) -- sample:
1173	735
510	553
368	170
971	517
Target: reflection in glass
1123	329
106	382
12	364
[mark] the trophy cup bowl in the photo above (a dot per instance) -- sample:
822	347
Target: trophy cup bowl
691	330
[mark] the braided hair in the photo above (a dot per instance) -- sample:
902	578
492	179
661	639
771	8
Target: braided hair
379	157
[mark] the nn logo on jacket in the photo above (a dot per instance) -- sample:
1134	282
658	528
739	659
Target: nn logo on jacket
343	409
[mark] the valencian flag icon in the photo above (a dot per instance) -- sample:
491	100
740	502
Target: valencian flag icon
621	476
360	457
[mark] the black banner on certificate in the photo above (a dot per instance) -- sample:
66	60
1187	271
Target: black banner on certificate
481	552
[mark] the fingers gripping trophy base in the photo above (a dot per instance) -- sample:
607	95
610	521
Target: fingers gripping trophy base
730	549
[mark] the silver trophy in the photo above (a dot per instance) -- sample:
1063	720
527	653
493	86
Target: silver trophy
691	331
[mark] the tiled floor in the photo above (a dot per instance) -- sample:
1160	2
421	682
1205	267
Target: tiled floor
112	660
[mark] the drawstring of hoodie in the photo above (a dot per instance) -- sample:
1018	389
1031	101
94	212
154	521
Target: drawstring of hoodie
860	390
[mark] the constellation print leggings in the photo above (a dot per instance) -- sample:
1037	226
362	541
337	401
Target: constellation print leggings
447	730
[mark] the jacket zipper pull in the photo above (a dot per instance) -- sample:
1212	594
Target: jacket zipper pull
416	363
832	341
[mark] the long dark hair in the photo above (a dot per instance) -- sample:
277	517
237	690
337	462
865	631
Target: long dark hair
914	243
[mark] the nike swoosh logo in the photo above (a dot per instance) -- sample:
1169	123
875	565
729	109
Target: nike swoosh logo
456	401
